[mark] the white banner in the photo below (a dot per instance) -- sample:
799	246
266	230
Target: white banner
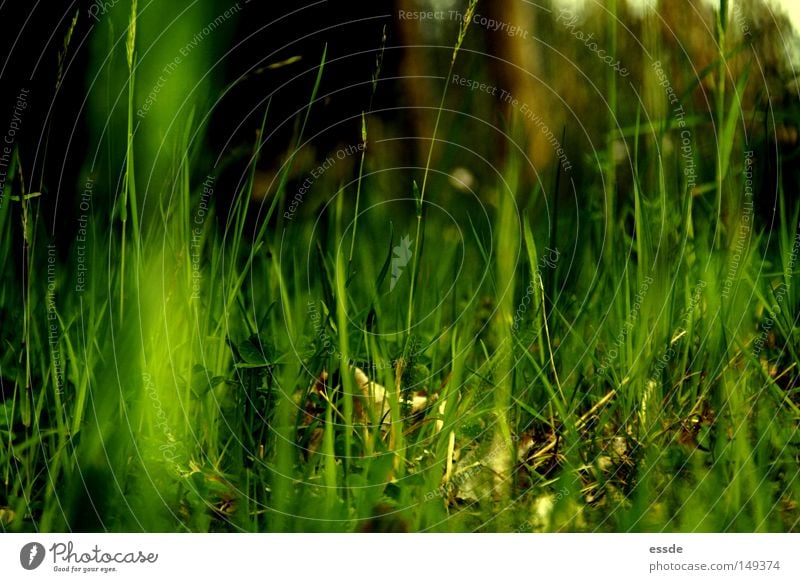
399	557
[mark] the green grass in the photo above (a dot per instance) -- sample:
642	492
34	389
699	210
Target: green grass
616	389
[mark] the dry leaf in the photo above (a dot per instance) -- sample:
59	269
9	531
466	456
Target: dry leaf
376	397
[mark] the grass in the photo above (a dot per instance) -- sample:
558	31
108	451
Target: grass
209	368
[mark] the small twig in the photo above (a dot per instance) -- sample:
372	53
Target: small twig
579	424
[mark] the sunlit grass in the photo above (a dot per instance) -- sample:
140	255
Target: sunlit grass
209	378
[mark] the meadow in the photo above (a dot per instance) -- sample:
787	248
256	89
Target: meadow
461	343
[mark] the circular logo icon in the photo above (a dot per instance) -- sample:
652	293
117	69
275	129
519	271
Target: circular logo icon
31	555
